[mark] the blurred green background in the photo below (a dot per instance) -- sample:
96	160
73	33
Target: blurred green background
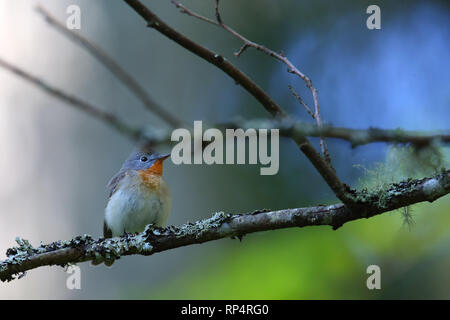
55	161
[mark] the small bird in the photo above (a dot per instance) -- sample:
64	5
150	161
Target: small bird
138	195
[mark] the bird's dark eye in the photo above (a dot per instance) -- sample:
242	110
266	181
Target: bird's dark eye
144	159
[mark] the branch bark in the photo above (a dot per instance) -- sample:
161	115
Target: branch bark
25	257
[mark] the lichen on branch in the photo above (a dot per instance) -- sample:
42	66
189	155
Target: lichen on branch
25	257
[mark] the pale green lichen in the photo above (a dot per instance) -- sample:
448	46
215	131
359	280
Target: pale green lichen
24	251
408	218
111	249
200	227
102	250
402	164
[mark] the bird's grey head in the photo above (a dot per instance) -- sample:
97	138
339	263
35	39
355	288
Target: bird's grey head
141	159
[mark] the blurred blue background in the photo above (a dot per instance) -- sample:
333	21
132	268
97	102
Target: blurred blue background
56	161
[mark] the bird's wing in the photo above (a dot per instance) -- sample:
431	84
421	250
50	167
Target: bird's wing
114	182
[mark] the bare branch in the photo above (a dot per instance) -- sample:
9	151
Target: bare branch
279	56
126	78
75	102
297	96
295	129
321	165
241	50
288	128
25	257
356	137
219	19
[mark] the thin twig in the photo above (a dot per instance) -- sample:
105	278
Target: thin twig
297	96
104	58
280	56
75	102
219	19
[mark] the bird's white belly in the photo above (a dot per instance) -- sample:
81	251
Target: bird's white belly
132	209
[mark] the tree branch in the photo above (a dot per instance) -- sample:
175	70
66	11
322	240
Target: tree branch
24	257
288	128
296	129
105	59
291	68
104	116
300	100
321	165
356	137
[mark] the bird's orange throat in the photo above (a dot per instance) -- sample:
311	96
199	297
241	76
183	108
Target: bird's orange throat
156	168
151	177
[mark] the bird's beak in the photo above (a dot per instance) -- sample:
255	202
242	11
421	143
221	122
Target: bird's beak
163	156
